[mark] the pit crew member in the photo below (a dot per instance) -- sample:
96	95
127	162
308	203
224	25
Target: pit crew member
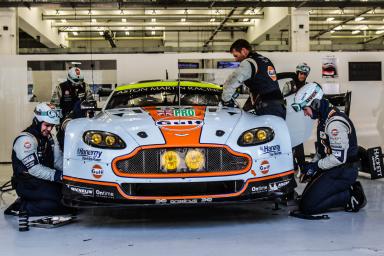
259	75
37	163
333	171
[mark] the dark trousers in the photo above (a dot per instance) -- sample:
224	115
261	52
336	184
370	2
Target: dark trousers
328	189
298	155
275	109
39	197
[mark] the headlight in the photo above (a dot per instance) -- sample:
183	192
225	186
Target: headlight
170	160
194	159
100	139
256	136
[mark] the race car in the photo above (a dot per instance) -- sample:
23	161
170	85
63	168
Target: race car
171	142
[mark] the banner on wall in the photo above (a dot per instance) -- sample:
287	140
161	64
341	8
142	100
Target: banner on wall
329	67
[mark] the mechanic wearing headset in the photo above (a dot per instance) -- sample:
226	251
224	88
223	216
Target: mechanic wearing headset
37	163
299	79
68	93
333	171
258	74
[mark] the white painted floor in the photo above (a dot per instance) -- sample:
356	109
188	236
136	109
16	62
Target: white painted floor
252	229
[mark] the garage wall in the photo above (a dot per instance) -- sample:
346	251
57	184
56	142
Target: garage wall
367	97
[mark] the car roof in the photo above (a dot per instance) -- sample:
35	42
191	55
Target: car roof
168	83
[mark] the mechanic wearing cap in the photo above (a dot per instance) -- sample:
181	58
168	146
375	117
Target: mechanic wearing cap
68	93
299	79
37	163
333	171
258	74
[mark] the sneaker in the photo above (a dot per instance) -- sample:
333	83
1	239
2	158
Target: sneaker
358	199
14	208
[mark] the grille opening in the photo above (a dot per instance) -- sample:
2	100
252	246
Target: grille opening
147	161
182	189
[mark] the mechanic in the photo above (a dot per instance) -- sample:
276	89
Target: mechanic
333	171
71	91
258	74
37	163
299	79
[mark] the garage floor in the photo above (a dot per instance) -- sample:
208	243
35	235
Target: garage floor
251	229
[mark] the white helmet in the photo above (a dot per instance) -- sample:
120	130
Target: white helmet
308	96
303	68
47	112
75	75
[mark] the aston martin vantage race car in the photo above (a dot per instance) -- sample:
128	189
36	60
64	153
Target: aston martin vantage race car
170	142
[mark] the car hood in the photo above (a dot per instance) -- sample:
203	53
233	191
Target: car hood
174	125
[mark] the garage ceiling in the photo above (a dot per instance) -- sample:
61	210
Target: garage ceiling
209	25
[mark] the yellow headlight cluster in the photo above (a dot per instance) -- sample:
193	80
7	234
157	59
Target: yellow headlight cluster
173	160
170	160
256	136
102	139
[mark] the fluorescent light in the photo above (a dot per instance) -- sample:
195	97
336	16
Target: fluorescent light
124	20
153	20
359	18
245	20
101	33
153	33
378	32
332	31
329	19
212	20
127	33
338	28
354	32
75	33
64	20
183	20
94	20
154	12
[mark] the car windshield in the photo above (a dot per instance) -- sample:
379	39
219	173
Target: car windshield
164	96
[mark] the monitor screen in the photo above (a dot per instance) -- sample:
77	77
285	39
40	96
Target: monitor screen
228	64
188	65
364	71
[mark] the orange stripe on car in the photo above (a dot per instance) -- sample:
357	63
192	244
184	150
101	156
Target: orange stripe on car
178	135
111	184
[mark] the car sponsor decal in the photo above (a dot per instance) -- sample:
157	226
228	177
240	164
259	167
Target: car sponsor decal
272	150
82	190
259	189
91	155
97	171
184	112
264	167
272	73
277	185
188	120
104	194
184	201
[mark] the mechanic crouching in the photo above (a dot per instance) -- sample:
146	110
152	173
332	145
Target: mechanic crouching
37	163
333	172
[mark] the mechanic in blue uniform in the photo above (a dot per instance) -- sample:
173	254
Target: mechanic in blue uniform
37	163
68	97
70	92
333	171
299	79
259	75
